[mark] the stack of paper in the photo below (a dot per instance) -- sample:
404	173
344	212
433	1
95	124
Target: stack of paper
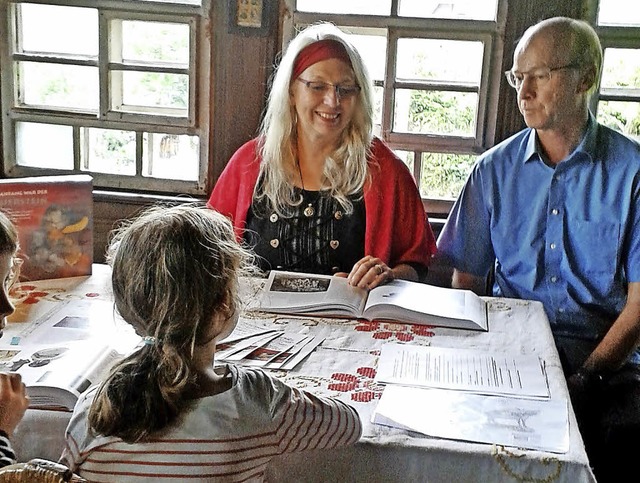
470	396
268	348
463	369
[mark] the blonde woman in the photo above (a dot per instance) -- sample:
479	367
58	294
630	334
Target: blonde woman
316	191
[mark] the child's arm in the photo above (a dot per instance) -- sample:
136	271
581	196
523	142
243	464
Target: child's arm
313	422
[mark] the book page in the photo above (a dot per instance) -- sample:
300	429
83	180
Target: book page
71	367
243	346
244	329
301	354
427	299
300	293
273	349
463	369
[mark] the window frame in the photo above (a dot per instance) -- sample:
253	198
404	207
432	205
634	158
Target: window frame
616	38
490	32
195	123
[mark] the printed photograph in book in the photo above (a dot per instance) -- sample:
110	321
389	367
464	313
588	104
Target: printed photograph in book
54	218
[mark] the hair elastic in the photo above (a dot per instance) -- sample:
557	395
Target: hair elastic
149	340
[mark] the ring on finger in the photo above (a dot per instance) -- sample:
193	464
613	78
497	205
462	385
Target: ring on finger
379	269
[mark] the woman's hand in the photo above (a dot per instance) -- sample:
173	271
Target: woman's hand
369	272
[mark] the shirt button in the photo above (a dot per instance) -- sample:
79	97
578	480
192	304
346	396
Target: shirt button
555	211
274	243
335	269
273	218
334	244
553	246
561	310
338	215
554	279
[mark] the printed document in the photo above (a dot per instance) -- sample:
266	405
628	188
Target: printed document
463	369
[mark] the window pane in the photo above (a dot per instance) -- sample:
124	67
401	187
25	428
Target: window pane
407	158
373	49
435	112
430	59
155	42
170	156
362	7
60	86
618	12
621	116
443	174
621	68
44	145
152	90
462	9
108	151
59	30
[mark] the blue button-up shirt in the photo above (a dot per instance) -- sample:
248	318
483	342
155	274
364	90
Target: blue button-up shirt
568	236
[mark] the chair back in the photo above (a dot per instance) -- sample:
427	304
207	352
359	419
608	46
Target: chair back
38	471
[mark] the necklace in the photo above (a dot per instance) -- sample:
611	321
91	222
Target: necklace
308	211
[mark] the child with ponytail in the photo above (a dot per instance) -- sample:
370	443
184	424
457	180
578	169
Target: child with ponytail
166	412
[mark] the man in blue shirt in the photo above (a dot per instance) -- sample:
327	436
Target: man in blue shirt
555	211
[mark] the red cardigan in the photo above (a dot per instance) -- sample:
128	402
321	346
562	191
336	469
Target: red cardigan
397	228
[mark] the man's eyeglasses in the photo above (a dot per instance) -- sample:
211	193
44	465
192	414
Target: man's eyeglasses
343	91
540	76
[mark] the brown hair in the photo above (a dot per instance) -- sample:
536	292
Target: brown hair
174	268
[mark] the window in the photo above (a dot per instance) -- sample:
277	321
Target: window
618	102
107	88
433	85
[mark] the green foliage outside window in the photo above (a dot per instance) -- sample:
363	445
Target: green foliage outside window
440	112
444	174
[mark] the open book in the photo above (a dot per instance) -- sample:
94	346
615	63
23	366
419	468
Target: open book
56	375
402	301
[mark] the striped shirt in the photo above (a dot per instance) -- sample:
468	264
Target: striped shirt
7	455
230	436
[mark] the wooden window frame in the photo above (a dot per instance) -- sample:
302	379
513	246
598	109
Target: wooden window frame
195	123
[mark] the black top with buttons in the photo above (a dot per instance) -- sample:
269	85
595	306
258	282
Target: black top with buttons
318	237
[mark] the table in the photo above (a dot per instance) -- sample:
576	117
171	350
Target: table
344	366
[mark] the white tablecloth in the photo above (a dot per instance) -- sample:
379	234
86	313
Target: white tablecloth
344	366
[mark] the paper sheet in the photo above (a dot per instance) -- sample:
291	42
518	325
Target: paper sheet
523	423
463	369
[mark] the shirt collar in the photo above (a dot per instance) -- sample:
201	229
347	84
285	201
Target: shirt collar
587	145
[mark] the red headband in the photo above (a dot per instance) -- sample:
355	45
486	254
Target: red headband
318	51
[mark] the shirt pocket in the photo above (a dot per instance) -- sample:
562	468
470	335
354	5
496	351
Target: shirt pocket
593	247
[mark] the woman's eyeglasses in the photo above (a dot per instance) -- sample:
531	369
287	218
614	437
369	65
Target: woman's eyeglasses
343	91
